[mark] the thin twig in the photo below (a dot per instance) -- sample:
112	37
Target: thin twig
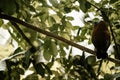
94	5
3	16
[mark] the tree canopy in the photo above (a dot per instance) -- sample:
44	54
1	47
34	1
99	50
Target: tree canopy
46	36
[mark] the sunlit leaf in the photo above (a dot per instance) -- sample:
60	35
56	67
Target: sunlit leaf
65	35
51	21
54	2
45	15
68	27
47	54
53	48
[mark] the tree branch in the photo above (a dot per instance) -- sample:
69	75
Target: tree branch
3	16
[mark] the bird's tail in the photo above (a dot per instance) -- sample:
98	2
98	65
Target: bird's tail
102	54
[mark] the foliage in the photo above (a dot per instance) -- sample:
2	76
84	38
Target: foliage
38	13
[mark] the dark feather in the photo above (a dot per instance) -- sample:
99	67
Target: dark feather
101	39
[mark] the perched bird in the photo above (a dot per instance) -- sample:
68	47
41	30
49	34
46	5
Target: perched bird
101	39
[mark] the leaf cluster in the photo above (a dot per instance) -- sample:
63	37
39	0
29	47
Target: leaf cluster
51	15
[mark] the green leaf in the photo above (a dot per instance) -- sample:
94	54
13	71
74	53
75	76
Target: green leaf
31	34
51	21
39	14
68	27
84	30
47	43
45	15
39	69
26	59
76	28
32	8
108	77
63	21
1	22
65	35
53	48
54	28
113	1
59	14
24	14
69	18
82	60
47	68
20	71
88	5
91	60
8	6
67	9
47	54
50	64
50	48
68	24
84	5
15	75
32	77
62	53
17	50
54	2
